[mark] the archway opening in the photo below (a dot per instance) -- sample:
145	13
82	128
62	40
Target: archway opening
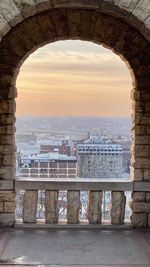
73	96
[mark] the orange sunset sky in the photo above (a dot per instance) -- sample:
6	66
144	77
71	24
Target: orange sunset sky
73	78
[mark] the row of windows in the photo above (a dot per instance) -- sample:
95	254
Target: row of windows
48	176
103	154
50	165
48	171
109	150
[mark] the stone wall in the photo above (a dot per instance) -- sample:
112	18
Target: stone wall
122	26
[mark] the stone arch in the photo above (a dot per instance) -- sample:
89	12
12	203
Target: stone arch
86	24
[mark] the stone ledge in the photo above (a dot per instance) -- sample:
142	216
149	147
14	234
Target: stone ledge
83	184
63	224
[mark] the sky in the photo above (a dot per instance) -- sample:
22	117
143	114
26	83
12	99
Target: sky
74	78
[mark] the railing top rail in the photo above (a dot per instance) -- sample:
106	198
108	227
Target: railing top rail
84	184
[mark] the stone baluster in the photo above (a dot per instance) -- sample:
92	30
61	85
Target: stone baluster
73	207
51	206
94	207
30	206
117	207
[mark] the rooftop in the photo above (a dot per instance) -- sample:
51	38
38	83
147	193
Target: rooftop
48	156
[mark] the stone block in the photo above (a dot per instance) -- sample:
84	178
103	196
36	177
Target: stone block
147	174
73	207
60	21
10	12
142	10
51	207
145	93
34	30
9	207
136	174
47	27
139	220
8	139
87	25
147	106
9	92
139	196
106	35
7	219
94	207
135	95
4	26
6	119
25	7
141	151
7	184
142	140
148	197
24	37
7	129
74	21
117	207
1	207
7	149
42	5
7	173
148	220
7	195
141	163
128	5
148	130
147	23
140	130
8	160
141	207
7	106
30	206
116	2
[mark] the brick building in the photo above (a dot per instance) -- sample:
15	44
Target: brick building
61	149
49	165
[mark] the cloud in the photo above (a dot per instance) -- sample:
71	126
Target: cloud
70	71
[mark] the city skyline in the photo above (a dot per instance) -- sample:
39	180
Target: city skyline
74	78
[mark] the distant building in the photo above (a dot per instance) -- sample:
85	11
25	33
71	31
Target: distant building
98	160
126	154
28	149
61	149
26	138
49	165
126	157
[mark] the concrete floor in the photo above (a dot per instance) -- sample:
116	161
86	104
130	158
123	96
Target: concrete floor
75	247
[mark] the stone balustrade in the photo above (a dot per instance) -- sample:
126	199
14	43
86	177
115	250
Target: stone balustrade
74	187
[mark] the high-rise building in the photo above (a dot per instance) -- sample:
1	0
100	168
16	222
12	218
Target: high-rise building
99	160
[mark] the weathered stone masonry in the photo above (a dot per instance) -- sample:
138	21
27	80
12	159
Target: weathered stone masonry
122	26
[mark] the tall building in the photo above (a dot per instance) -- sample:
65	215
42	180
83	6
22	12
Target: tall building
49	165
99	160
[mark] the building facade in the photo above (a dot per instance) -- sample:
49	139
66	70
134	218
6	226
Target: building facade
99	160
49	165
61	149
